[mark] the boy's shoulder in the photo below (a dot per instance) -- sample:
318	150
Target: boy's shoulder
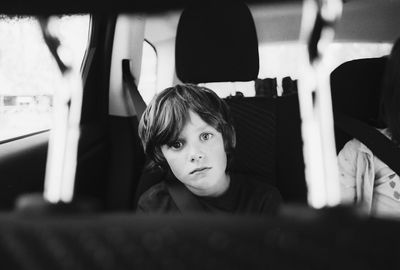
156	199
155	191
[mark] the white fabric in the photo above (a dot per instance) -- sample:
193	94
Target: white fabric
367	181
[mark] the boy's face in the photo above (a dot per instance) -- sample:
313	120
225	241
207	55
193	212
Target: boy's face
198	158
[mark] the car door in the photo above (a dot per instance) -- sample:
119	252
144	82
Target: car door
30	80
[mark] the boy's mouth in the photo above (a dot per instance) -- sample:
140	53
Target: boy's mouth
200	170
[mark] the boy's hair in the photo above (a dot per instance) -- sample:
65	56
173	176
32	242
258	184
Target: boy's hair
390	101
168	112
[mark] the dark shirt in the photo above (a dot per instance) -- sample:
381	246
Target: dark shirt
244	196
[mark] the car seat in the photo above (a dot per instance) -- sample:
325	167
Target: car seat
217	42
355	87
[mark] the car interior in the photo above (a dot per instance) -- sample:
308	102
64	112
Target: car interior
363	120
222	45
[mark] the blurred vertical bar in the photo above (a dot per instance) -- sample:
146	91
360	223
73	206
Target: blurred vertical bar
64	136
317	31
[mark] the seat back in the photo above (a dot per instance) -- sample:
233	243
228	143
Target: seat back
255	125
291	180
356	87
269	142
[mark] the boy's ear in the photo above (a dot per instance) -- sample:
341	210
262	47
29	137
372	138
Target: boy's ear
233	135
231	138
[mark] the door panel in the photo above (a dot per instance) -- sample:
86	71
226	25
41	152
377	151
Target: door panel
22	167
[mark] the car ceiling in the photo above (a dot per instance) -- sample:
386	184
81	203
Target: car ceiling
362	21
95	6
276	20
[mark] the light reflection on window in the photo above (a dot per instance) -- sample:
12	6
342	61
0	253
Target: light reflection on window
29	75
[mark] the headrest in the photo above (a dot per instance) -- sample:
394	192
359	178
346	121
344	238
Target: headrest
356	87
216	41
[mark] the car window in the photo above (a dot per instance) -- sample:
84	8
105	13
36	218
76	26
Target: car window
148	72
338	53
279	60
29	76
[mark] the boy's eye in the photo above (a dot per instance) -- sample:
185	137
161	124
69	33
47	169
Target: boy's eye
206	136
176	145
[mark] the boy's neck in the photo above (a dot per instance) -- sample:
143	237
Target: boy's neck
215	191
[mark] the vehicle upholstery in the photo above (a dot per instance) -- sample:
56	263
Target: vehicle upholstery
358	82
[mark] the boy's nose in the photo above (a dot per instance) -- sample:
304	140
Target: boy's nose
195	152
196	157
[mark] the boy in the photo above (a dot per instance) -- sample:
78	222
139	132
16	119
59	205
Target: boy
187	131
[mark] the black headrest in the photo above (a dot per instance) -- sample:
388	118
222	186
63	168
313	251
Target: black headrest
356	87
216	41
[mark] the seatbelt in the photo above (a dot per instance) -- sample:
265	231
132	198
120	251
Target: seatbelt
127	178
378	143
130	85
185	200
